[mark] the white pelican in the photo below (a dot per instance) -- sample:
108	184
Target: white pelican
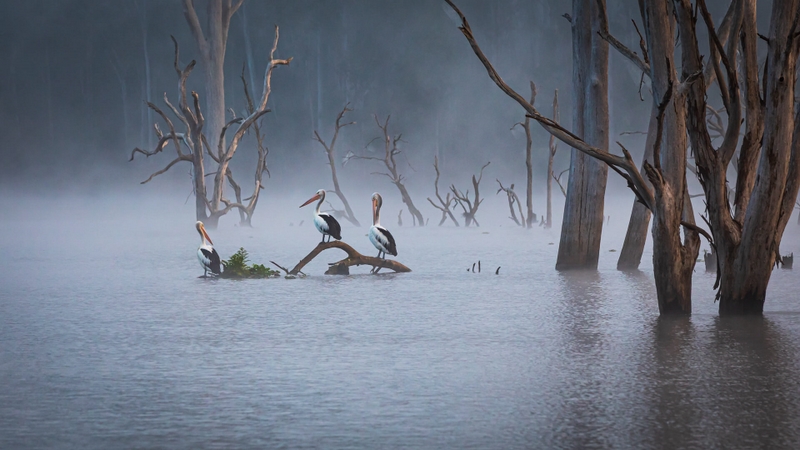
209	258
325	223
378	235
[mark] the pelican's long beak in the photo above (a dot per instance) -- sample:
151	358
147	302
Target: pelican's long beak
314	198
374	209
205	235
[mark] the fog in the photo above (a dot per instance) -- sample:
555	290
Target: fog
108	338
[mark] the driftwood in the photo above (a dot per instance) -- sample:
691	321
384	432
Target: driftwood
354	258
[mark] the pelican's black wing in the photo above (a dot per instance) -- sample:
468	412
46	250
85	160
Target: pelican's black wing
213	257
334	229
390	245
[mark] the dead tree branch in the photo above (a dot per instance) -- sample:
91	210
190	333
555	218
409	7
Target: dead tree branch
470	207
390	152
329	151
512	198
444	204
354	258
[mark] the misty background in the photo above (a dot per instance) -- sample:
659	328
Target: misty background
77	74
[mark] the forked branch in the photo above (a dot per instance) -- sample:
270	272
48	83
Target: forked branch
354	258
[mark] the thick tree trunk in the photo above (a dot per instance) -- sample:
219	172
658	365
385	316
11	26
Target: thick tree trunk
582	226
635	238
745	276
213	67
200	186
673	261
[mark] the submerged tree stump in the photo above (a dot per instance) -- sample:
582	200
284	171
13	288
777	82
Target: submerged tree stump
354	258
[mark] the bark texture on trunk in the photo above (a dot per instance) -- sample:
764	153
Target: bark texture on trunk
744	283
212	44
582	226
630	256
747	239
673	260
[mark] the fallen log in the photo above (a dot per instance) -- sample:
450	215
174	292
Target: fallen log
354	258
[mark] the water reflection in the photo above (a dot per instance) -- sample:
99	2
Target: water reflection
149	355
723	383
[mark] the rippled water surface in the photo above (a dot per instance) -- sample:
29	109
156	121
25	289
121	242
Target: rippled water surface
108	339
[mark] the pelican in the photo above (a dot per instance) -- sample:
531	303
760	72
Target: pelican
325	223
209	258
378	235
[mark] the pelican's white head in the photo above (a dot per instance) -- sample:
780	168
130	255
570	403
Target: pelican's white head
320	195
202	230
377	201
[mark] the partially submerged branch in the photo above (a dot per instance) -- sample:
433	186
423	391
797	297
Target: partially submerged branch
354	258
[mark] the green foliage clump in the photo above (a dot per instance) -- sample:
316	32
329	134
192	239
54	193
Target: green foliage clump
236	267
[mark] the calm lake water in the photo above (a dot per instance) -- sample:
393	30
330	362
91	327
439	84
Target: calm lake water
109	340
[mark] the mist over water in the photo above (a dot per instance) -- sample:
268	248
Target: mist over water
109	339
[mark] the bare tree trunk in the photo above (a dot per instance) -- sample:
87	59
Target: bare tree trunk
551	155
390	152
444	204
472	206
635	238
746	273
147	77
329	151
673	261
528	166
668	199
582	226
194	121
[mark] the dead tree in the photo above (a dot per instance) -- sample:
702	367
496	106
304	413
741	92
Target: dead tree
551	154
390	152
329	151
526	125
444	204
354	258
636	236
747	235
512	199
212	43
470	207
582	226
246	213
673	260
208	210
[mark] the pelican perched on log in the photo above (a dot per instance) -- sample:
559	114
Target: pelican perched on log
325	223
209	258
378	235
